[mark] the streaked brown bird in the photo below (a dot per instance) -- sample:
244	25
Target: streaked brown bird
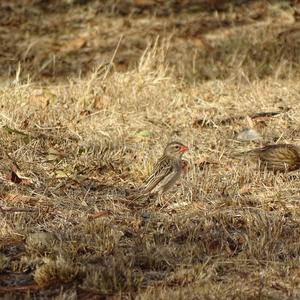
167	170
279	157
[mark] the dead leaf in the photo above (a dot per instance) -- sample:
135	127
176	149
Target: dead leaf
73	45
100	214
200	43
61	174
17	197
54	154
101	102
245	189
13	177
51	96
144	134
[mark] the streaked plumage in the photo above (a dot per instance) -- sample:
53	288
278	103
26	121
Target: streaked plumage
280	157
167	170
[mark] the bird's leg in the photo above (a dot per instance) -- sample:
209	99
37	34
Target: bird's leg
161	201
157	199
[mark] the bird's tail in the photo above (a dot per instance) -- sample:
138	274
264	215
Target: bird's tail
137	194
251	153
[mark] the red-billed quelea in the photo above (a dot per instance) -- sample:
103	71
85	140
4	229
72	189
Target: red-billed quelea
166	171
279	157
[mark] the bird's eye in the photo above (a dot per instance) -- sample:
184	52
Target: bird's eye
177	147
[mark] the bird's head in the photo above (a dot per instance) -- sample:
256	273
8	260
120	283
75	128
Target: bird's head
175	150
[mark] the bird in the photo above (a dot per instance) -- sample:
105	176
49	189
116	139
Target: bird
278	157
166	171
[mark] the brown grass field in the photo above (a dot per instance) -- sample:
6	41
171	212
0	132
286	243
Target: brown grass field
91	92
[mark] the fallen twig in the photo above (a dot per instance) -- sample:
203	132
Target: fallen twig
22	288
17	209
211	123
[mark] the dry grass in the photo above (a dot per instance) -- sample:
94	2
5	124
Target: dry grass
227	231
72	40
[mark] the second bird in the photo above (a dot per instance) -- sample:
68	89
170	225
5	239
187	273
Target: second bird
280	157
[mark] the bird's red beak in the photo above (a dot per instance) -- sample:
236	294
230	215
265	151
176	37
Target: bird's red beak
183	149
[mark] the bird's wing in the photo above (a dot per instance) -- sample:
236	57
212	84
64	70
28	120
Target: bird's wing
168	181
162	169
258	152
281	158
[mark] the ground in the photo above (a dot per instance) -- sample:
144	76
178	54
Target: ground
91	92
